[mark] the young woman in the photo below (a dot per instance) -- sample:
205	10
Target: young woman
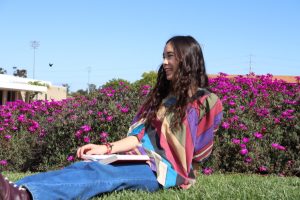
174	127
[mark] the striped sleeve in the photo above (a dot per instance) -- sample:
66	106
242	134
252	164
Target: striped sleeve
137	129
210	119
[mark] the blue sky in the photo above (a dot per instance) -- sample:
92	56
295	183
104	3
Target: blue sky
123	39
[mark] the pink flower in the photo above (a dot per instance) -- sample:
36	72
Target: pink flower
74	117
42	133
3	162
8	137
248	160
242	108
145	92
21	118
70	158
99	113
35	124
262	169
124	109
31	129
231	111
146	87
252	103
104	135
231	103
235	118
275	145
278	146
281	148
276	120
50	119
78	133
244	152
258	135
109	118
243	127
245	140
225	125
86	128
235	141
86	139
207	171
243	146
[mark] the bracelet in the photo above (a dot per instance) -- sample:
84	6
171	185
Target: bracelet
109	148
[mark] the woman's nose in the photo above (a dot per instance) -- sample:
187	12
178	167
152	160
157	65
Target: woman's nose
165	61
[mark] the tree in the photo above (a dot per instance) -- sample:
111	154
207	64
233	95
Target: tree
79	92
20	72
116	82
66	85
2	71
148	78
92	88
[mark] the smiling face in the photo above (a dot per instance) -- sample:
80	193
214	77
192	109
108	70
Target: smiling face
170	62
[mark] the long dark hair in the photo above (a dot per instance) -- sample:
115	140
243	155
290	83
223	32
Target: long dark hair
191	72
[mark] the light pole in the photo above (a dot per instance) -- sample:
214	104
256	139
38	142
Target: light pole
34	45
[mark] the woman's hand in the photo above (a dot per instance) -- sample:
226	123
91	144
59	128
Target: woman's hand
91	149
119	146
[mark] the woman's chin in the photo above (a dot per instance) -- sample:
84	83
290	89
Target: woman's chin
169	78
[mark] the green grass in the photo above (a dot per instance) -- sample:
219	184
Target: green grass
216	186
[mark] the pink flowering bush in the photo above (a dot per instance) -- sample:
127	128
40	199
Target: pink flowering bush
259	132
46	134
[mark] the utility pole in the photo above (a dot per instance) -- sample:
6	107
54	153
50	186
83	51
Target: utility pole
34	45
250	63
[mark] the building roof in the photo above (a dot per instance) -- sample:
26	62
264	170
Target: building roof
9	82
289	79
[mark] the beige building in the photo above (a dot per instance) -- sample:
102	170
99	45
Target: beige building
14	88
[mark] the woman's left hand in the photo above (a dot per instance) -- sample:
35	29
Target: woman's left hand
91	149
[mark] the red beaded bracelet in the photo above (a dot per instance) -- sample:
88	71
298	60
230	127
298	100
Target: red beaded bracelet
109	148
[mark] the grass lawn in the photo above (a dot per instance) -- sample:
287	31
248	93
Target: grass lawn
216	186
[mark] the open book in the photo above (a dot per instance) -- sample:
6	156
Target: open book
106	159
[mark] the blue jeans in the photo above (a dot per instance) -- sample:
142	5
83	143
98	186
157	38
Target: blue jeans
83	180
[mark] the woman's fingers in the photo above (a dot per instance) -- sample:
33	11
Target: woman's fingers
92	151
83	149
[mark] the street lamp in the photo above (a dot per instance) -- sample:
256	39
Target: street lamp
34	45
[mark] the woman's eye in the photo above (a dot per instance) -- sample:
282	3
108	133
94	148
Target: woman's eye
168	56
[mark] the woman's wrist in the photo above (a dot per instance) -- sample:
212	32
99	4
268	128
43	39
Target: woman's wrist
109	147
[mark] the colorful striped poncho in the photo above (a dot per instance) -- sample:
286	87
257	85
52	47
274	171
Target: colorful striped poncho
172	153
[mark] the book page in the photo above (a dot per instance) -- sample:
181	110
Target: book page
106	159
